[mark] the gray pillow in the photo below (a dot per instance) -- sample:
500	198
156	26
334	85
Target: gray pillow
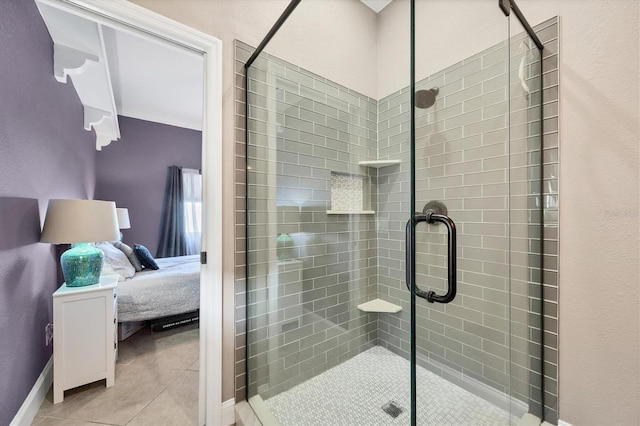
131	255
117	260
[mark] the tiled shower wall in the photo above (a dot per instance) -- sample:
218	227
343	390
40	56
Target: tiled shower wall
306	134
467	337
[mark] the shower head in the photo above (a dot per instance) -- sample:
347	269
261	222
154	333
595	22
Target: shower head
426	98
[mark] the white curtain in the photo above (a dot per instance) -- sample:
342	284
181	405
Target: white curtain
192	188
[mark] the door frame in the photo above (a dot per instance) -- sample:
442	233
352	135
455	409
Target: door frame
129	17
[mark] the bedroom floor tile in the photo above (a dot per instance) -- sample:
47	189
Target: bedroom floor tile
145	344
51	421
136	386
176	405
195	366
148	365
176	358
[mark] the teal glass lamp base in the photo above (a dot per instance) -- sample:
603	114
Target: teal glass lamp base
82	265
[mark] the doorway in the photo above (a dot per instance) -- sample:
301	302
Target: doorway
127	18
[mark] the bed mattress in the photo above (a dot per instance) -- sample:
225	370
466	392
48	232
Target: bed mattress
173	289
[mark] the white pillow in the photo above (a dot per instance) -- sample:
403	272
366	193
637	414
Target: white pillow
108	270
117	260
131	255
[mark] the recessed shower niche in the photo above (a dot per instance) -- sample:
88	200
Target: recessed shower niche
350	194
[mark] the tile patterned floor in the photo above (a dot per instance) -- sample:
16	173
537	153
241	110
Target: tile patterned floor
156	384
354	392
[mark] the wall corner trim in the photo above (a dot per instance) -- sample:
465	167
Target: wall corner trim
229	412
27	412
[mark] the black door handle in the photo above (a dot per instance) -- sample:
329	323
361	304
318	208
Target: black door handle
409	255
431	217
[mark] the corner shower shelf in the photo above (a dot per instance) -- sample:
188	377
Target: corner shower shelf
379	305
350	212
378	163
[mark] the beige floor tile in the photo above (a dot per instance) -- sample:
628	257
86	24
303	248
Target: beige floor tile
177	348
47	408
176	405
136	386
195	366
178	357
148	364
144	342
53	421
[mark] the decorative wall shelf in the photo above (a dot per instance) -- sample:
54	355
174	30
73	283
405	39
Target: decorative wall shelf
350	212
379	163
379	305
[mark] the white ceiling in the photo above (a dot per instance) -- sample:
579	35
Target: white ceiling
376	5
155	81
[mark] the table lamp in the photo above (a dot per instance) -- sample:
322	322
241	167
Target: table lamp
80	222
123	219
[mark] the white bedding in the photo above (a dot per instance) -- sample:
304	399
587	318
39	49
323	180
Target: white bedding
173	289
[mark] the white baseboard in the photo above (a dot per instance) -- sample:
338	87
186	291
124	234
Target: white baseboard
229	412
563	423
27	412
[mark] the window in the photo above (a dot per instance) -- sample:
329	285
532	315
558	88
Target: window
192	190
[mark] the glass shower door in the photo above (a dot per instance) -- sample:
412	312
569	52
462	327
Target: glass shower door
475	230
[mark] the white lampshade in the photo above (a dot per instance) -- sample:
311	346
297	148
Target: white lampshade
123	218
80	221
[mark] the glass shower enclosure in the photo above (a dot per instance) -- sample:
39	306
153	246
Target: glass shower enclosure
394	245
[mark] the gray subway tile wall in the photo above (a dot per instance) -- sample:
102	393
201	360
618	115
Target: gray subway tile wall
303	316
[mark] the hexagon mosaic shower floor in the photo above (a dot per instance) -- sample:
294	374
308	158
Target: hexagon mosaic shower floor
355	392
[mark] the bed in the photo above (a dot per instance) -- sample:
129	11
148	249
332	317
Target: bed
171	290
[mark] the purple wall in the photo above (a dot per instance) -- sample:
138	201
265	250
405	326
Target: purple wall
44	153
132	171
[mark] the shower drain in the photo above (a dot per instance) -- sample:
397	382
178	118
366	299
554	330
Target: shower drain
392	408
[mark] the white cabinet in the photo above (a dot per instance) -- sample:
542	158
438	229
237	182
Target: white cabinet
85	338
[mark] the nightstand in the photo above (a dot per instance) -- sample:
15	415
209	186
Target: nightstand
85	335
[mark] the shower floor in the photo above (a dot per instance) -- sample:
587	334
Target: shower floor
354	393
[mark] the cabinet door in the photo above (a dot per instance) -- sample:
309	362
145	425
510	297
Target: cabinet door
85	354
